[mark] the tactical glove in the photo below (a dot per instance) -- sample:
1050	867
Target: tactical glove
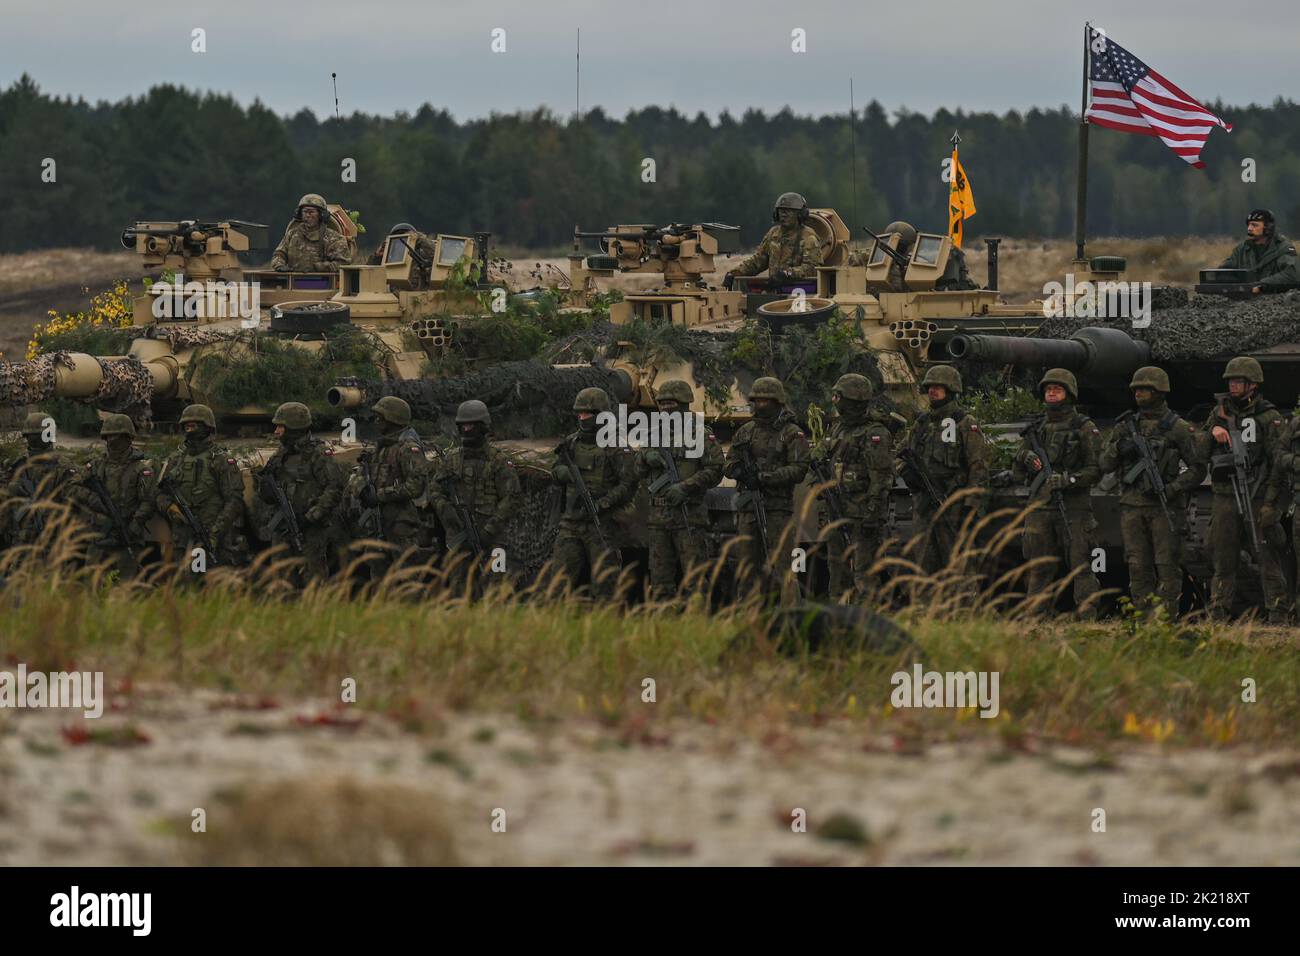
562	474
1268	516
676	494
368	497
1058	482
314	515
729	280
654	458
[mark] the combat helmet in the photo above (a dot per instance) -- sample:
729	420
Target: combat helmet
315	200
854	387
199	413
1243	366
1060	376
790	201
34	423
473	411
675	390
293	415
944	375
1150	376
905	231
117	425
393	410
400	228
1266	217
591	400
768	387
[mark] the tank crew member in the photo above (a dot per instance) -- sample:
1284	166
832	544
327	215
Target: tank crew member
310	243
1269	257
790	250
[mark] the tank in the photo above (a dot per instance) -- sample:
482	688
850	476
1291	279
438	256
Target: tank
192	339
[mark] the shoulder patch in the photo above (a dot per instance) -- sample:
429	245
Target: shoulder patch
146	472
416	449
328	451
974	427
230	461
875	439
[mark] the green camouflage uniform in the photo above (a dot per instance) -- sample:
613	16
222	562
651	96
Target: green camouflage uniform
1152	549
1073	446
399	472
780	452
1228	533
1286	480
488	486
796	252
305	469
858	451
129	480
610	478
962	462
322	249
33	479
674	546
1273	263
206	476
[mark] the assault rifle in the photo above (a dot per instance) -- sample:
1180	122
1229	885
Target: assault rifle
377	510
1240	479
1146	465
1044	475
748	476
916	476
286	512
668	477
114	516
899	258
831	495
168	484
593	512
463	514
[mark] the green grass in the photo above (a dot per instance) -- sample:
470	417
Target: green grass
1077	683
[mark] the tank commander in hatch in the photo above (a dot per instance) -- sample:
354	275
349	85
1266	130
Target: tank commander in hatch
310	243
1270	258
789	251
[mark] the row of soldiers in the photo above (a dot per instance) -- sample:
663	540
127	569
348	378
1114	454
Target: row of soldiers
308	502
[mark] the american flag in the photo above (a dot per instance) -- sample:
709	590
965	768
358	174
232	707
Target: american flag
1129	96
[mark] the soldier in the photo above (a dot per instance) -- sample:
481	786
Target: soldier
1286	479
1154	531
906	233
944	453
201	492
768	458
585	542
790	250
678	522
477	483
1270	258
304	471
38	476
310	244
422	245
1243	437
858	455
390	477
116	492
1067	444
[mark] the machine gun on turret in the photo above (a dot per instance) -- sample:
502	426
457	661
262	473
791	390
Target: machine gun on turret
200	249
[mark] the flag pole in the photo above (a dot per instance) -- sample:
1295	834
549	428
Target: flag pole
1081	197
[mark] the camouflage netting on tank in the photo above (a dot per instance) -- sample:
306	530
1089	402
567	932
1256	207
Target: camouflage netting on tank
530	535
126	385
29	383
1207	327
183	337
526	398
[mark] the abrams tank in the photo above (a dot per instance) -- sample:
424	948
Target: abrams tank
234	338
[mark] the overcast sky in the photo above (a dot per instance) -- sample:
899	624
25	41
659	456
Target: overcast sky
696	55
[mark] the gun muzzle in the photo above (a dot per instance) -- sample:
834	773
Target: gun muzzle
345	396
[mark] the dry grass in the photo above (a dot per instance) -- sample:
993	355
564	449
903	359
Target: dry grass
419	650
323	821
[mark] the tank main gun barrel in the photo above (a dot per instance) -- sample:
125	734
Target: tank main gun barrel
1107	356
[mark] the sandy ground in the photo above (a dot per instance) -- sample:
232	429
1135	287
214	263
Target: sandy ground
314	783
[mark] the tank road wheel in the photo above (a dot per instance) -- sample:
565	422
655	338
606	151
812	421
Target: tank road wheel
296	318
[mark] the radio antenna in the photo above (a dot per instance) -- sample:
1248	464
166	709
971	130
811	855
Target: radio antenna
335	78
853	145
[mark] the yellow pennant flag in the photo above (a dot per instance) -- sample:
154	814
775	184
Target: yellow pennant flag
961	201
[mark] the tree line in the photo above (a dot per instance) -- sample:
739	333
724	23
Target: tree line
530	177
